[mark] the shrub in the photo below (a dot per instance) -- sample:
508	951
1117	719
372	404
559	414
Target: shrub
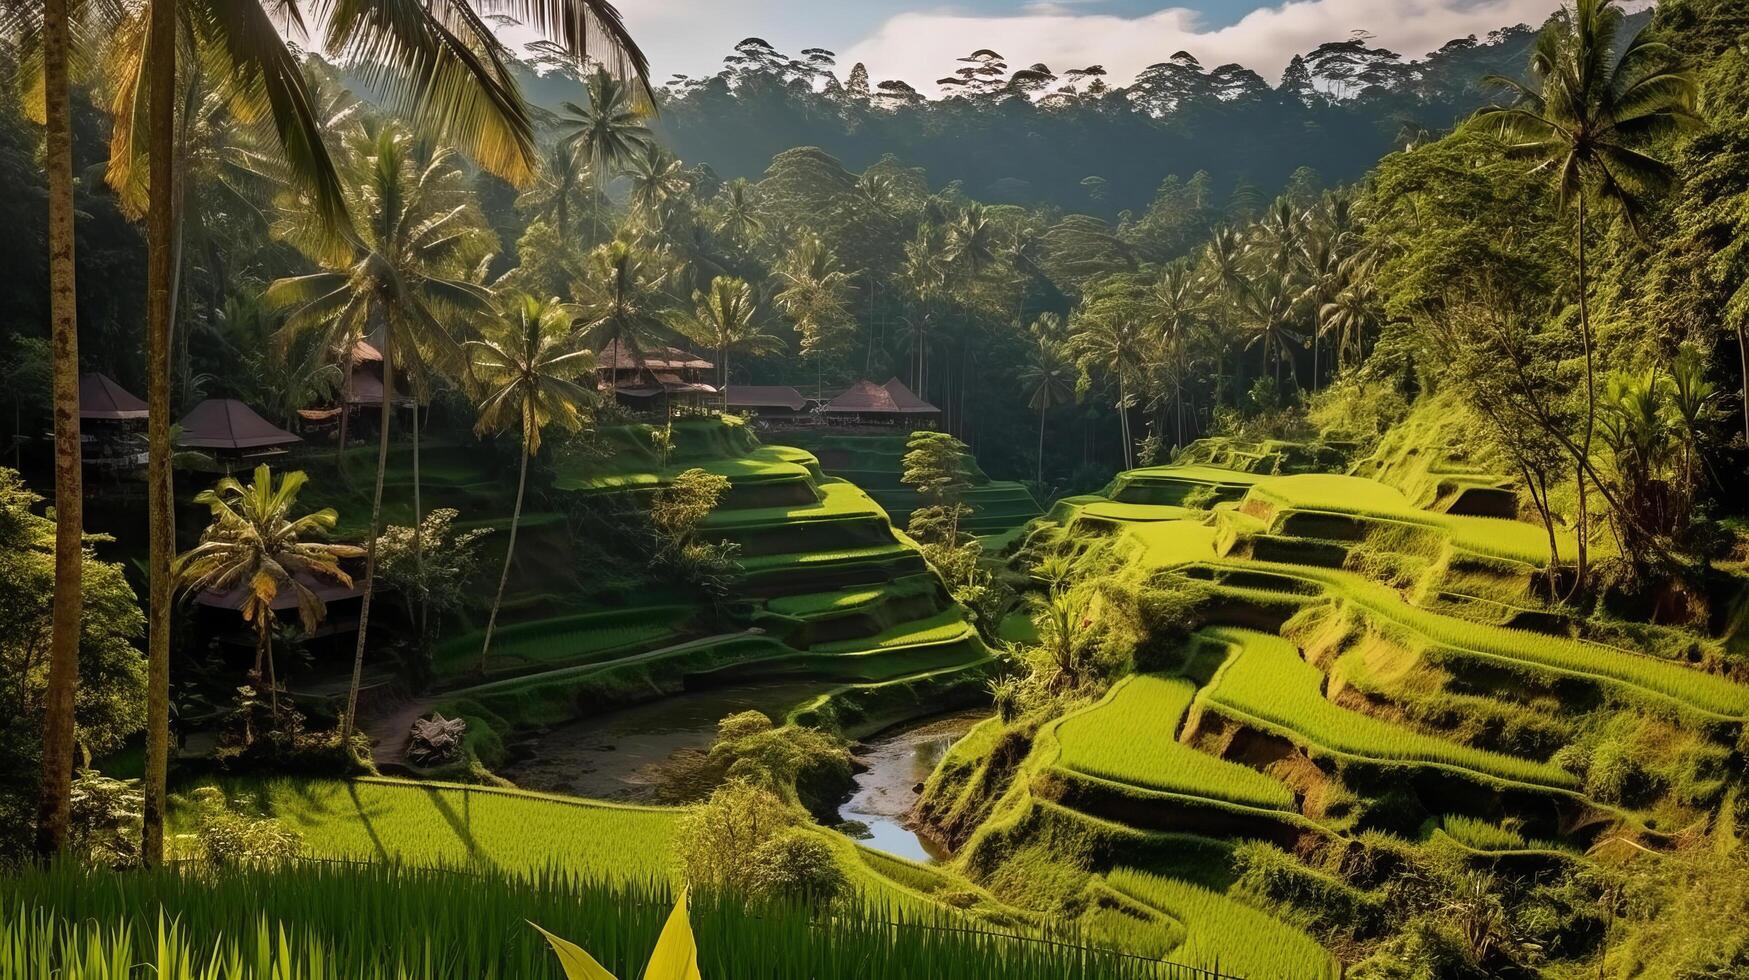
719	841
226	835
105	820
796	864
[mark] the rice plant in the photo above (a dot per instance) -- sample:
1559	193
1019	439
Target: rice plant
320	922
562	640
1226	935
1266	683
1131	736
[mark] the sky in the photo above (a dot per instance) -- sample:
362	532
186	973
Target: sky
919	40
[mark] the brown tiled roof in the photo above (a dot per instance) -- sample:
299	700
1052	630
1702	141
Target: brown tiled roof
620	358
867	398
225	423
101	398
766	396
367	389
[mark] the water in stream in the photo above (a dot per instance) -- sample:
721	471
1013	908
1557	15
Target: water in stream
898	761
621	754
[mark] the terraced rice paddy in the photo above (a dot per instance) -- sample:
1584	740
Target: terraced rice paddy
1221	933
1131	736
468	826
1265	683
563	640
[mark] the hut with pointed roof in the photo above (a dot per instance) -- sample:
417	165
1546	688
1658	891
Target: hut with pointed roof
112	422
891	404
655	379
232	432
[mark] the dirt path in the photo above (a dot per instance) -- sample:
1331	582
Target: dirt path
388	731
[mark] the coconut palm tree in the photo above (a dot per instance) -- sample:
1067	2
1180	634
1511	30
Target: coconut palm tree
405	276
526	372
1117	346
622	305
740	216
1592	120
971	245
657	177
1351	314
816	297
54	812
1271	312
1049	379
256	544
565	184
1180	309
608	129
437	64
1227	280
726	316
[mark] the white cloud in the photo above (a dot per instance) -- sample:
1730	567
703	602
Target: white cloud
922	46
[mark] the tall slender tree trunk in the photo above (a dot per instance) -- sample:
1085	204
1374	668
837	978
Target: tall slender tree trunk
1584	549
1123	420
350	720
161	500
57	787
1314	357
509	553
1743	362
418	528
1039	477
264	655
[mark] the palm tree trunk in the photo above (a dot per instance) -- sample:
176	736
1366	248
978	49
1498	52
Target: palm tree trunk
1123	422
418	526
161	500
57	787
1314	358
1590	402
370	548
264	654
1743	360
509	553
1039	477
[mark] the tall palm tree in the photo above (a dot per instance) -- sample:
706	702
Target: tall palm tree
1271	311
1591	120
1227	279
437	63
256	543
405	275
622	305
1323	265
1049	379
1116	346
527	372
816	297
1351	314
657	177
971	245
608	128
726	316
740	215
56	800
566	183
1180	307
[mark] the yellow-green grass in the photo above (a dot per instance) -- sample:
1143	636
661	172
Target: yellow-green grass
760	563
945	626
1632	675
563	640
448	824
1286	497
1224	934
761	464
1172	484
1265	683
1131	736
856	597
837	500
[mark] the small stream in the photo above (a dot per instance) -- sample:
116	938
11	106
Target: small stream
625	754
898	761
621	755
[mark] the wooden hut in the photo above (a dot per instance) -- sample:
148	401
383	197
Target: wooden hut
112	423
769	401
232	432
891	404
656	379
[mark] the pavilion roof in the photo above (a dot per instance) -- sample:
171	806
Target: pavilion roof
225	423
620	358
100	398
867	398
325	589
766	396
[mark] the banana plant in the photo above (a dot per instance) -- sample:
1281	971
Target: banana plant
674	958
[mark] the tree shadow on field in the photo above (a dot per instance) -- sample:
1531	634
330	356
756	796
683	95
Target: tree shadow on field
461	823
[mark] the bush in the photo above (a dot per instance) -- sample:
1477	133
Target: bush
718	842
106	820
227	835
796	864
